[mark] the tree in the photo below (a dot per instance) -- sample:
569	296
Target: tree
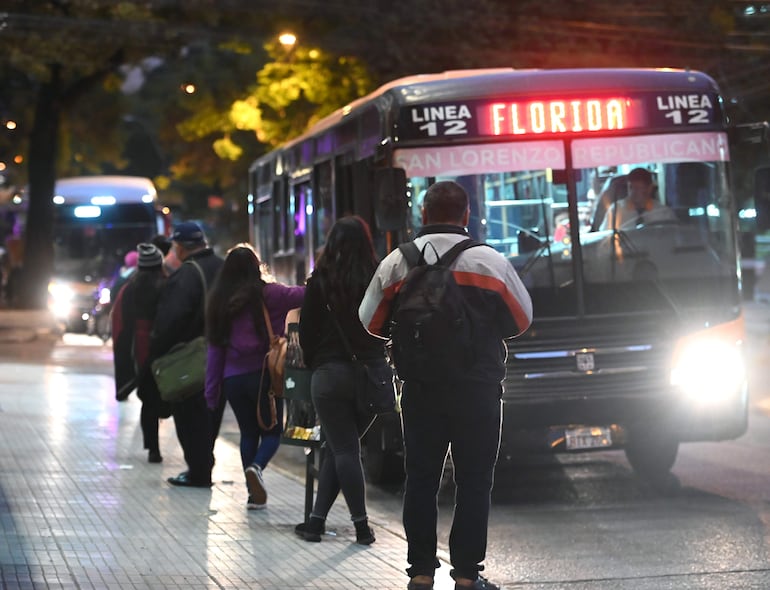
64	49
73	58
296	88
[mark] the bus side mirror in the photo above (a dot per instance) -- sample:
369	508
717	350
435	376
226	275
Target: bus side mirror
390	204
762	198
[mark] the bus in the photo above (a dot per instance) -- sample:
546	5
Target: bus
97	220
637	337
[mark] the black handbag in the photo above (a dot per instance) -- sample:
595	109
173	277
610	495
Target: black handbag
376	387
375	380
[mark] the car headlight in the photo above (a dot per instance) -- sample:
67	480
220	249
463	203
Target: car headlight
708	367
60	291
60	297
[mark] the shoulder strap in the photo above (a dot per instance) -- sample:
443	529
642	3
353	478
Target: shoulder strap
411	253
205	286
267	322
345	341
450	255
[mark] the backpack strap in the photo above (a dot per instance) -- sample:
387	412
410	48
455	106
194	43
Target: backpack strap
415	257
450	255
411	254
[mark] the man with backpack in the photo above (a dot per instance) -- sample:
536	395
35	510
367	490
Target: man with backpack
448	303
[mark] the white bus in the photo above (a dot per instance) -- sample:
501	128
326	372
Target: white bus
98	219
637	337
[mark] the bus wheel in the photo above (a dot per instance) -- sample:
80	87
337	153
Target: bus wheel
652	455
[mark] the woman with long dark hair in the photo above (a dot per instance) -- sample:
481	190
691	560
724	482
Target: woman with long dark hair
334	291
238	340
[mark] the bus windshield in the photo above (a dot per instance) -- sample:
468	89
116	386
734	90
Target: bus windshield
91	241
677	255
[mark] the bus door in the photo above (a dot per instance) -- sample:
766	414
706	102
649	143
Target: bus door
300	217
323	213
275	232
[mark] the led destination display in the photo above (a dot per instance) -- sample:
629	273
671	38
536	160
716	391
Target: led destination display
574	116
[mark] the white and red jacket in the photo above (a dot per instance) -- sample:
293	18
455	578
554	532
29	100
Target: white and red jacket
500	304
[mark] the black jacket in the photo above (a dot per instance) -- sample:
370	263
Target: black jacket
180	316
319	337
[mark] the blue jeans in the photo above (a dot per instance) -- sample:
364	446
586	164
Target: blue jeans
257	445
343	424
466	417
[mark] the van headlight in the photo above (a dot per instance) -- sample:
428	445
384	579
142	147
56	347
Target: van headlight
708	367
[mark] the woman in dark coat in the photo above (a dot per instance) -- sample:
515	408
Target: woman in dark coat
334	292
133	315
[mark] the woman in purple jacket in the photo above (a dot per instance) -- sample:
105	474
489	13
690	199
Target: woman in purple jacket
237	344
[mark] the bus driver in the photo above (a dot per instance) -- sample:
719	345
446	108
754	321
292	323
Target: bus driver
639	207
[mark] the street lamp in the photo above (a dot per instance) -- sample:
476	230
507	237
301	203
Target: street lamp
288	40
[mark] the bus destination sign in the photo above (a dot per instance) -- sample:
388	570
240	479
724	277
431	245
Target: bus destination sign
574	116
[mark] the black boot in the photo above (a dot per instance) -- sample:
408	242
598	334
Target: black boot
312	529
364	534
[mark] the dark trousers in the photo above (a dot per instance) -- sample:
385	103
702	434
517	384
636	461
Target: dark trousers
257	445
195	428
148	418
465	417
153	409
343	424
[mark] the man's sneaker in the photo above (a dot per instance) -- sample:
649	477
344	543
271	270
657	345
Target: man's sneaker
252	505
479	584
256	484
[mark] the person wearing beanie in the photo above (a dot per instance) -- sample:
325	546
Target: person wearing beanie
149	256
180	318
133	316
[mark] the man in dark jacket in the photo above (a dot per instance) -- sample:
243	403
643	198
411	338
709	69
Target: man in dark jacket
180	318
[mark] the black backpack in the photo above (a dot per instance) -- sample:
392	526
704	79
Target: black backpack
430	328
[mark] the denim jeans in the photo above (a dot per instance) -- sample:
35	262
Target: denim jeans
333	391
257	445
465	417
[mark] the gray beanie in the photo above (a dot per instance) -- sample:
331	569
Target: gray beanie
149	256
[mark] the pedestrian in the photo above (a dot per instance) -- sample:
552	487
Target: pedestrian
237	339
334	292
132	320
180	318
124	273
464	413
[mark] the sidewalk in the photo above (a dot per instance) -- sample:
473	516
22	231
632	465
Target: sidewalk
80	507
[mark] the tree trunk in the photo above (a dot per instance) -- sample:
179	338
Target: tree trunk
39	233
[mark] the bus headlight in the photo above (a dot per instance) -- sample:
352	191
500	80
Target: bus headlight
708	370
60	298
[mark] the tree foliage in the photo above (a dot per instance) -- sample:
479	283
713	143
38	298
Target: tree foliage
67	67
295	89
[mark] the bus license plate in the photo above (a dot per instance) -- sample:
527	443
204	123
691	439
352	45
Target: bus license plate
588	437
